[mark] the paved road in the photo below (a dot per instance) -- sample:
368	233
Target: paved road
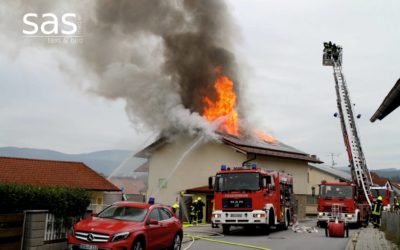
276	240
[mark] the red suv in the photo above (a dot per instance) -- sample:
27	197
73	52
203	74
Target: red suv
128	226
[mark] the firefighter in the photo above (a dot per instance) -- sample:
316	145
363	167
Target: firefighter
200	206
377	211
175	208
193	212
396	206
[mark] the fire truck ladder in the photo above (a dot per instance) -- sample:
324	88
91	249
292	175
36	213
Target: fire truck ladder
359	171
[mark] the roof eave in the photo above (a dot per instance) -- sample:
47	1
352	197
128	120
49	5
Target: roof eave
390	103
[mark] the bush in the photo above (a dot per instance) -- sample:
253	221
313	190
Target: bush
60	201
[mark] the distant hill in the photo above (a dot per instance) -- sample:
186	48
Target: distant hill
390	173
104	162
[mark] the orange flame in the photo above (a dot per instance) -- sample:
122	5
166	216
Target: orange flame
266	137
224	107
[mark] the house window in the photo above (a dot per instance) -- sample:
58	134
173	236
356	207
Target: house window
162	183
99	200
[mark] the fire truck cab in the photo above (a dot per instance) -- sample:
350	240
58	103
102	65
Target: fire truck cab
251	196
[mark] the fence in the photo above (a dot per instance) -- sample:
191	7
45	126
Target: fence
390	224
11	226
55	228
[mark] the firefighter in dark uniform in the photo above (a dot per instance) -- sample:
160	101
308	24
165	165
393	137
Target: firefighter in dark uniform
377	211
193	212
200	206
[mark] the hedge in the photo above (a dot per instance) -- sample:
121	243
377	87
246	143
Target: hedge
60	201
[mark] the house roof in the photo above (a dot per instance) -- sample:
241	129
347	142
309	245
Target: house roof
261	147
246	146
52	173
395	184
377	180
332	171
390	103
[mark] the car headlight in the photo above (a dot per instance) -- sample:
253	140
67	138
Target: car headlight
217	215
120	236
320	213
349	216
258	215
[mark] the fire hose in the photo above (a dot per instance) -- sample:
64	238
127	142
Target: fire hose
213	237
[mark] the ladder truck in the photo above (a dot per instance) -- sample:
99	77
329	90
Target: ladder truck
353	200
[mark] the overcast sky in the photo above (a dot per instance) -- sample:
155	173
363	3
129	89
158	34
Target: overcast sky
286	89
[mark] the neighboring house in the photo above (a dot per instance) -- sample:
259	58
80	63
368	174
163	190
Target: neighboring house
133	188
185	163
380	181
56	173
396	187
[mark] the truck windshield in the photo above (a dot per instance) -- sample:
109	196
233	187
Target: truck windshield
335	191
237	182
378	192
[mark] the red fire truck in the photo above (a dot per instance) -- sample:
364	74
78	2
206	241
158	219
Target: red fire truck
251	196
346	202
344	195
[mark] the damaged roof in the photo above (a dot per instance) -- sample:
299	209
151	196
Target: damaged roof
246	146
261	147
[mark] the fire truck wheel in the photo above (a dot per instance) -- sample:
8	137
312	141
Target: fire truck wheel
358	223
287	221
271	218
225	229
285	224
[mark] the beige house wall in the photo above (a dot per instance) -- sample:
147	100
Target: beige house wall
96	201
298	169
205	159
316	176
202	161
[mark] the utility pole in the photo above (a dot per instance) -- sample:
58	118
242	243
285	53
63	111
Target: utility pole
333	161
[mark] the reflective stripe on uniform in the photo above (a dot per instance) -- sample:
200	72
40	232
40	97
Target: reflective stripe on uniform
376	209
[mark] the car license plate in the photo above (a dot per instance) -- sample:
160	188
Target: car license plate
88	247
236	215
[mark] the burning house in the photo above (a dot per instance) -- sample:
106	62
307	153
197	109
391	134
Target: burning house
179	164
180	167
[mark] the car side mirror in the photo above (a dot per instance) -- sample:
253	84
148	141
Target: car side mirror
153	222
93	214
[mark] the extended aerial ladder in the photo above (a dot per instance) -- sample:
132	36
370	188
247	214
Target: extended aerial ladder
332	56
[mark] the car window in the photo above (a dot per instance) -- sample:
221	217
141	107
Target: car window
154	215
165	214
